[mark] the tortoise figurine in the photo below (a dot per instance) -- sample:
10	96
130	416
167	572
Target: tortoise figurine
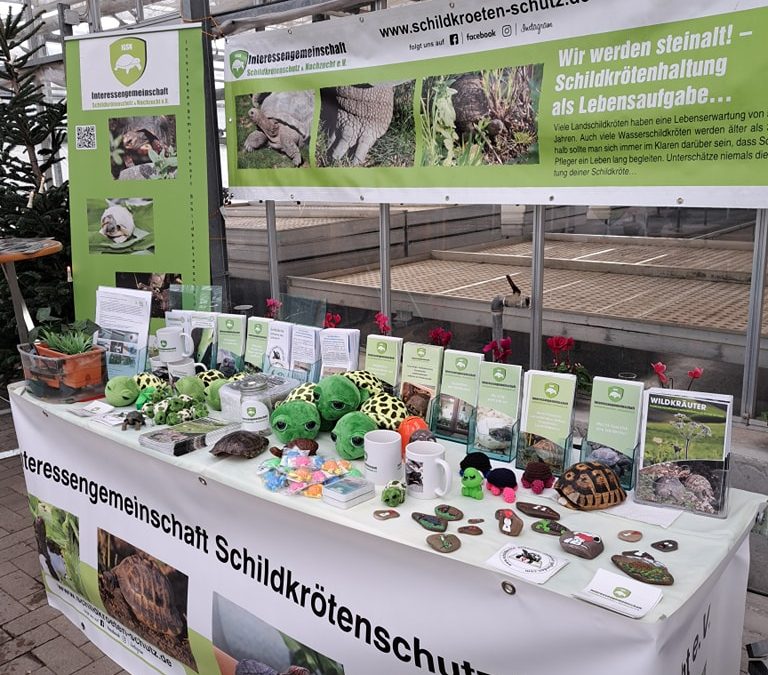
148	593
133	419
502	482
246	444
537	476
587	486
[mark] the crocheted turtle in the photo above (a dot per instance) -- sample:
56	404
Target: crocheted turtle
502	482
537	476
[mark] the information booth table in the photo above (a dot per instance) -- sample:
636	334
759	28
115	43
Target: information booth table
369	596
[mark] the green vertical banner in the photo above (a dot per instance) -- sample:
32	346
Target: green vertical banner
137	163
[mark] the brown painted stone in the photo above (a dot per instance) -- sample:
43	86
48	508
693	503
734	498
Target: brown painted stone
473	530
385	514
476	521
552	527
582	544
444	543
448	512
509	522
643	567
537	510
630	535
430	522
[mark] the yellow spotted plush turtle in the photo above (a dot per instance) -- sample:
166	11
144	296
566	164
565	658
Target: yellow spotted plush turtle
145	380
304	392
386	410
211	375
368	384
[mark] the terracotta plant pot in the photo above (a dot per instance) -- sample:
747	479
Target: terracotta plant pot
80	370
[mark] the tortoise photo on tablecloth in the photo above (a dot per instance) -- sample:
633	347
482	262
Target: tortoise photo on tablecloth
146	595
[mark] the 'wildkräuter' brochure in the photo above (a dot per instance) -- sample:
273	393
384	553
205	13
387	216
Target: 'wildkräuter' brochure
230	350
422	365
458	394
546	419
256	342
615	412
382	357
278	357
684	451
497	416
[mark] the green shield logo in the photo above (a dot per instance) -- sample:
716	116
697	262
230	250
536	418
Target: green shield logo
461	363
615	393
238	60
163	343
621	592
499	374
128	58
230	324
251	412
551	389
421	352
257	329
381	347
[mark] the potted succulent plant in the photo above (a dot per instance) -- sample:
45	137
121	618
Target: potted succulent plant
63	357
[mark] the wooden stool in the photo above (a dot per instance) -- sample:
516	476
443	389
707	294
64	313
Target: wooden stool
11	250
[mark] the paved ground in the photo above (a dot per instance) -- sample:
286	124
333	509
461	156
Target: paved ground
35	638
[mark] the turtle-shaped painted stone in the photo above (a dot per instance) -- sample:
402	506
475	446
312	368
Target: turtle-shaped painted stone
386	410
618	461
587	486
147	592
254	667
240	444
643	567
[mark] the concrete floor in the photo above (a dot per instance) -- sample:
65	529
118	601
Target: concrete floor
35	638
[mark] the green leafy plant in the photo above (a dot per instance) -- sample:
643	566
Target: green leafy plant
165	163
67	338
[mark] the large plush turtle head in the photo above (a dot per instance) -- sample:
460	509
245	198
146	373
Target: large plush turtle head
121	390
295	419
349	434
335	396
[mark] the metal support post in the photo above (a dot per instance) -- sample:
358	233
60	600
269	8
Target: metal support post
94	16
139	11
384	261
274	273
755	318
537	287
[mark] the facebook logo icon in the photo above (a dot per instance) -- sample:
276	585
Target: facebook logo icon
454	39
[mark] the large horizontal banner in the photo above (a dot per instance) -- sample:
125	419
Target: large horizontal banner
168	570
537	101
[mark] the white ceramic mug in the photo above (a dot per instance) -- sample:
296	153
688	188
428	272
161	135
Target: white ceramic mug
173	344
427	474
184	367
383	456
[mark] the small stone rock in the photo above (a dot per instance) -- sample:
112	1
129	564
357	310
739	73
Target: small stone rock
444	543
538	511
552	527
582	544
473	530
385	514
643	567
630	535
448	512
475	521
665	545
509	522
430	522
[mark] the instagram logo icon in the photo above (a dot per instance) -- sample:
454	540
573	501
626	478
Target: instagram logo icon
506	30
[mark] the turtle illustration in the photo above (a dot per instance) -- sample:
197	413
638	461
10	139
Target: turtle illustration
618	461
127	62
283	120
240	444
147	592
254	667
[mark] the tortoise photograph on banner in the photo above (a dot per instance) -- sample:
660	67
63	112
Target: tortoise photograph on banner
369	124
274	129
121	225
143	148
146	595
481	117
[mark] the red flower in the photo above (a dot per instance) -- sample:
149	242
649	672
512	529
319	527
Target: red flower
557	343
273	307
660	369
570	343
440	336
331	320
500	351
382	321
696	373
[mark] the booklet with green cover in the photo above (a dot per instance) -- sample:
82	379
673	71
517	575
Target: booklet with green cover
458	394
497	417
256	343
230	350
547	419
422	365
382	357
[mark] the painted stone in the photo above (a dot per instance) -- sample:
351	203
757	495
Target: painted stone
552	527
630	535
385	514
430	522
643	567
475	521
665	545
448	512
537	510
582	544
472	530
509	522
444	543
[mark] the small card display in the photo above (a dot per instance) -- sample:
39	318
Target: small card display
348	491
526	563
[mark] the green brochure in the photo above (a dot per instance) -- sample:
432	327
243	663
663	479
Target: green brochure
256	342
382	357
458	394
230	350
497	417
422	365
